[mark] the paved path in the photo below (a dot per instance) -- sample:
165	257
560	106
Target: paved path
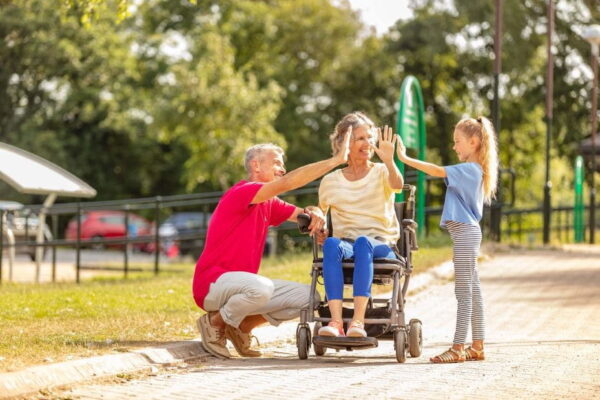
543	343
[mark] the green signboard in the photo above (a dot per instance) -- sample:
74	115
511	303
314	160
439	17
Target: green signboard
409	120
579	206
410	125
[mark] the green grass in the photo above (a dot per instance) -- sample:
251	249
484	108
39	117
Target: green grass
57	322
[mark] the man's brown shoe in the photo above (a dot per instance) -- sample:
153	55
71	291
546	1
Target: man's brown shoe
213	339
241	342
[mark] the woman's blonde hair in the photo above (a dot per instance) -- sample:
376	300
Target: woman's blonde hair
487	154
354	119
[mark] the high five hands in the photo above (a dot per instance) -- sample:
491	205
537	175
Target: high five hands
385	144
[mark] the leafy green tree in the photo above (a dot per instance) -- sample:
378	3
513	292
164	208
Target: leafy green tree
69	98
302	46
451	52
201	100
162	96
87	11
523	86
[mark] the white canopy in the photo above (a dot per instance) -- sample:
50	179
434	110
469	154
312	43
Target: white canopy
31	174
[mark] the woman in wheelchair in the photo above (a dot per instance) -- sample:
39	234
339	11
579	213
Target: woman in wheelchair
360	198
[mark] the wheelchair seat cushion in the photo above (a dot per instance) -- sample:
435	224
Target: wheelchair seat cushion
383	269
347	262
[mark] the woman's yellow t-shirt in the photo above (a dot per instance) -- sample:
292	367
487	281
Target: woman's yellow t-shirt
360	208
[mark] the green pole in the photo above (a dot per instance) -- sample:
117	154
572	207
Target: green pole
579	207
410	125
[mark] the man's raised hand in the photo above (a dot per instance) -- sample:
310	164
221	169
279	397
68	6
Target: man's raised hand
342	154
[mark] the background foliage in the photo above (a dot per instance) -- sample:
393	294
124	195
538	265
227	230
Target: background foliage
162	97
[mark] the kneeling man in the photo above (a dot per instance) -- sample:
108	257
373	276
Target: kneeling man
226	281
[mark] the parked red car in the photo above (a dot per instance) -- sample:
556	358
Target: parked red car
97	225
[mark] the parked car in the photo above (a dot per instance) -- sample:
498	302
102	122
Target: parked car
101	224
186	230
24	226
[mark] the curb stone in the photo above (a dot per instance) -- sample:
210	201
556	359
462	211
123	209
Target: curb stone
34	379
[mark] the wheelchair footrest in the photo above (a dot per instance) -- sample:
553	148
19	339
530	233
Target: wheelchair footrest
345	342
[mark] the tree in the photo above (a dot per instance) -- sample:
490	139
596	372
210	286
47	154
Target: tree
69	97
301	45
207	105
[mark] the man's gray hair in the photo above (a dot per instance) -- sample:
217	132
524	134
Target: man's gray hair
258	150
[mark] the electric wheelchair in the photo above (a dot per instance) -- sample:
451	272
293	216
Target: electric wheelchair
385	317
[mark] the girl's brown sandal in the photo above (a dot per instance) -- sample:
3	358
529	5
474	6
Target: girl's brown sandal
449	356
472	354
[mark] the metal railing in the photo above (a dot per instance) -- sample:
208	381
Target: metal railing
518	225
526	225
154	206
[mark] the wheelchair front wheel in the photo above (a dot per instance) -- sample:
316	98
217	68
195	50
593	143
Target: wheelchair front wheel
303	341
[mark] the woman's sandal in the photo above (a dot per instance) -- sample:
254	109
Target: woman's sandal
449	356
472	354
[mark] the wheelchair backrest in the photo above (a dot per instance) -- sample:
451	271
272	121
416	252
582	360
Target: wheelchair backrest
403	209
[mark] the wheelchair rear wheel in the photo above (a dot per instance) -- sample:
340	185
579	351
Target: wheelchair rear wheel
415	338
400	345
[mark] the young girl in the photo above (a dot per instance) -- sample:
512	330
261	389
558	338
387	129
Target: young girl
470	184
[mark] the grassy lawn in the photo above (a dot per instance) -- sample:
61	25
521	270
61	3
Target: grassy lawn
58	322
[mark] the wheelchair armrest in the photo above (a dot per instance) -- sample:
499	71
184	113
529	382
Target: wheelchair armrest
409	223
411	227
303	223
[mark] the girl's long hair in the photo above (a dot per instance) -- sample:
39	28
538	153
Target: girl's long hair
487	152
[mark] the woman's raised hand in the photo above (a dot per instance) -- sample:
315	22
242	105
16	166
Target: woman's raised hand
385	144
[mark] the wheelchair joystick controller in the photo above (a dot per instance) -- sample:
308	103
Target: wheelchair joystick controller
303	223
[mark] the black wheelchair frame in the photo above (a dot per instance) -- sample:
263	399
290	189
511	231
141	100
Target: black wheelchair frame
384	322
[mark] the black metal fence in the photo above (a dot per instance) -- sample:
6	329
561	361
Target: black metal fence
154	208
518	225
524	225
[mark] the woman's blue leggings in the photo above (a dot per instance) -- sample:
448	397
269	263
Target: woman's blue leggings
363	250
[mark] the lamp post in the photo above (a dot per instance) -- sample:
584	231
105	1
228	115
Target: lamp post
549	105
592	35
496	206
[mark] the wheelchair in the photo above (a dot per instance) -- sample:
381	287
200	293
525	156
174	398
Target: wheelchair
385	317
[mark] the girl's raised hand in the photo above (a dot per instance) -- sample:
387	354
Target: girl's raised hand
401	149
385	144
